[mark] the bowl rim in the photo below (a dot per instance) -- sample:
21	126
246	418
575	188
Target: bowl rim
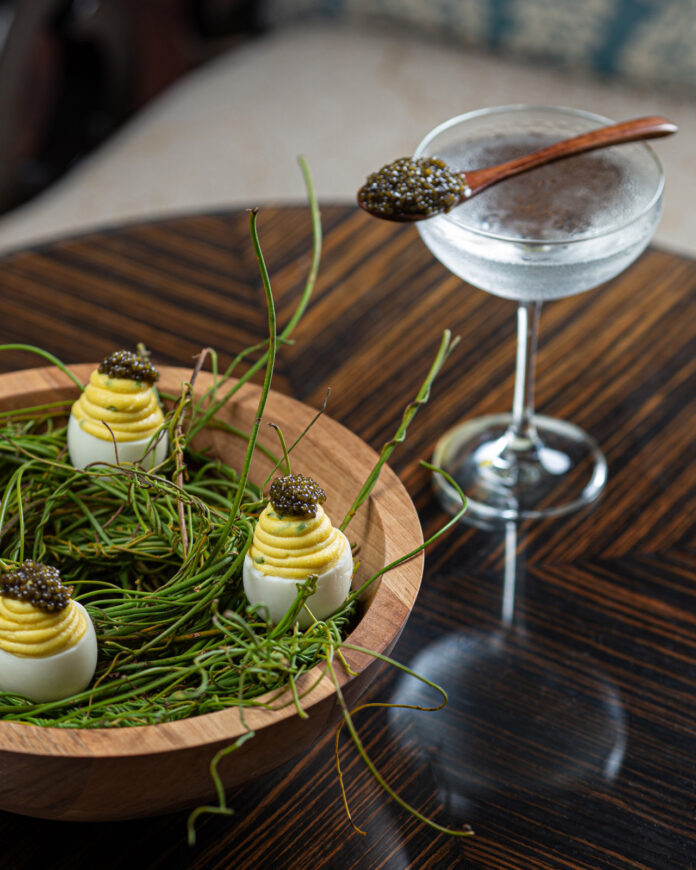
557	110
394	597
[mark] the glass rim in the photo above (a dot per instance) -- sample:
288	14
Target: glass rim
529	107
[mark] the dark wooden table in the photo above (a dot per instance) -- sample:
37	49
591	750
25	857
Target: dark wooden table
568	647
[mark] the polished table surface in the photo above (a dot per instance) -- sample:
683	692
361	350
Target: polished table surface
568	647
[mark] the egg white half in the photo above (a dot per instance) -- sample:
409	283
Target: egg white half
85	448
279	593
51	678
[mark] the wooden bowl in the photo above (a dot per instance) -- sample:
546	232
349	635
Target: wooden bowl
122	773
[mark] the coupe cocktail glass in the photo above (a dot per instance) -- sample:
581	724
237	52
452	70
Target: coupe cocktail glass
550	233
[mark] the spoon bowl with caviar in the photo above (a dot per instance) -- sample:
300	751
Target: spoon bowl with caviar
414	189
565	227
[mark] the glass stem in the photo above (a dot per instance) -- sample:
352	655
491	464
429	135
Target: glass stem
522	432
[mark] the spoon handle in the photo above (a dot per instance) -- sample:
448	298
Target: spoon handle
628	131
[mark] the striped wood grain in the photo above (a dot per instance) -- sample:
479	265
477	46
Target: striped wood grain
605	602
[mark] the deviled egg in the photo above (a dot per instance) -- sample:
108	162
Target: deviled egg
48	646
117	404
294	539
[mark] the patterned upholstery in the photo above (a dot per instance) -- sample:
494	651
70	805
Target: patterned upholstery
647	41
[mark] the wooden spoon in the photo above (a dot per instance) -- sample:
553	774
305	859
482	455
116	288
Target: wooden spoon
477	180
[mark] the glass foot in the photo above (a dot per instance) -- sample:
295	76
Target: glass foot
505	478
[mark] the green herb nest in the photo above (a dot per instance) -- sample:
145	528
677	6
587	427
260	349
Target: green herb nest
156	556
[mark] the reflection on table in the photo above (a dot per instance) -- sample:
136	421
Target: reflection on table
521	718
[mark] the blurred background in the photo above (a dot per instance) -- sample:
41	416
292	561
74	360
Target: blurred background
112	110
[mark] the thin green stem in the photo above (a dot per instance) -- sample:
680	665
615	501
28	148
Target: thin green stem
447	345
46	355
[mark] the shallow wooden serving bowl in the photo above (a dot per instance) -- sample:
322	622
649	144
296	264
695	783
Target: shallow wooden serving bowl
122	773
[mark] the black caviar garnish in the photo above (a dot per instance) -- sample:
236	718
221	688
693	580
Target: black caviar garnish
424	186
126	364
38	584
296	496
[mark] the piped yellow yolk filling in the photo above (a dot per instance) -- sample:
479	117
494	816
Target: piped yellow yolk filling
294	547
130	408
27	631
